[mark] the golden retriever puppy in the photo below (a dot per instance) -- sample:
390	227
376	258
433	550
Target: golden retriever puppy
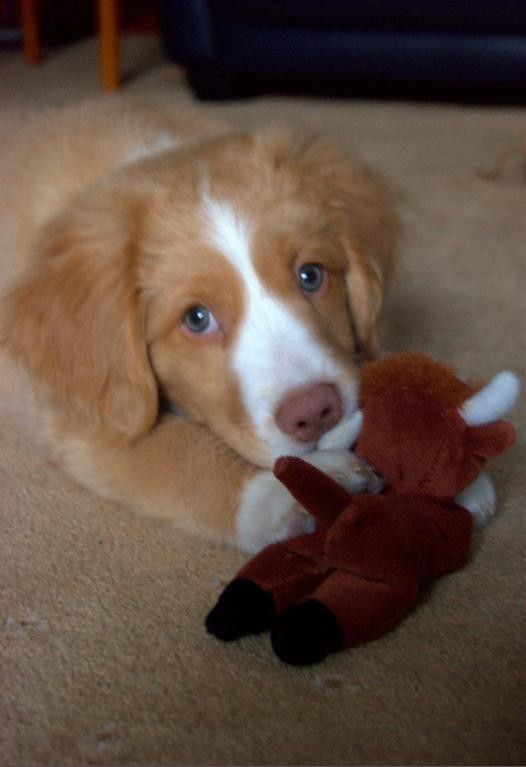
189	303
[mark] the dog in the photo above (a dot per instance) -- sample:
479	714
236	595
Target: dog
188	303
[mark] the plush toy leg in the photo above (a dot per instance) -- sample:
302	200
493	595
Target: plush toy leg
243	608
345	610
306	634
321	495
269	583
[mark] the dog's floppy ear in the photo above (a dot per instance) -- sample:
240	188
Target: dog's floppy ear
75	320
366	286
369	231
361	207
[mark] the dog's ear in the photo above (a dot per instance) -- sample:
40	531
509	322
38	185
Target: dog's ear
369	231
366	287
76	320
362	211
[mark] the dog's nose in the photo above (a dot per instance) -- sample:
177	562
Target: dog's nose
306	414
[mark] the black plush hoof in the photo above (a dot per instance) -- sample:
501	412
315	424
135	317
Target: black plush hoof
243	608
306	634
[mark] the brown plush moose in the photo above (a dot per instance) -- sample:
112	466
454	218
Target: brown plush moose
428	434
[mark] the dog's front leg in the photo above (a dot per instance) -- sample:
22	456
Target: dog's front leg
182	472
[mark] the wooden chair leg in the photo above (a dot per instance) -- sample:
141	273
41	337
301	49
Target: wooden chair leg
109	31
30	34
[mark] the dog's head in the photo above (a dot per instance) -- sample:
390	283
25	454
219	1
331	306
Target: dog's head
238	281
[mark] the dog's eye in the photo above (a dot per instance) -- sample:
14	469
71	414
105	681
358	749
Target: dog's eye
199	319
311	277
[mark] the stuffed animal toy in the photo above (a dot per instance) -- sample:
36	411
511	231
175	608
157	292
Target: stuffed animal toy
428	434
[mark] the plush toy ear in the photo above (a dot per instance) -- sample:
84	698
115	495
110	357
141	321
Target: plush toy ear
493	401
491	439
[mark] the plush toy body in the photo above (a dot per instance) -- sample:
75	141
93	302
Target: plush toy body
428	434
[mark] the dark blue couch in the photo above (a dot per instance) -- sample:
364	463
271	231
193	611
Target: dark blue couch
467	49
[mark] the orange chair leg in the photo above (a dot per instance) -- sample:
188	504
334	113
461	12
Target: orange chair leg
30	35
109	18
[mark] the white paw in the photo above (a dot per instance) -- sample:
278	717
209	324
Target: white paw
268	513
479	499
347	469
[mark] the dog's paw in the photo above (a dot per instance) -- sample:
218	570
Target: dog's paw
479	499
268	513
347	469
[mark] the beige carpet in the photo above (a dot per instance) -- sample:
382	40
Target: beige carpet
104	658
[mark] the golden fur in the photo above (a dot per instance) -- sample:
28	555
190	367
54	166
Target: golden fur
109	251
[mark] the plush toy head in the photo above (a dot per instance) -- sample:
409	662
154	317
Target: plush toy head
425	430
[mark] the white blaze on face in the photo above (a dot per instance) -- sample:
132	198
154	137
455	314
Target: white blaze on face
275	353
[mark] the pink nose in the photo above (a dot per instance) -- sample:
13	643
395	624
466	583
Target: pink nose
306	414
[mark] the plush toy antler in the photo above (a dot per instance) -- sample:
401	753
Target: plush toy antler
428	434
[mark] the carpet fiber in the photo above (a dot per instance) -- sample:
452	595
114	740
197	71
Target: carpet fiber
103	655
